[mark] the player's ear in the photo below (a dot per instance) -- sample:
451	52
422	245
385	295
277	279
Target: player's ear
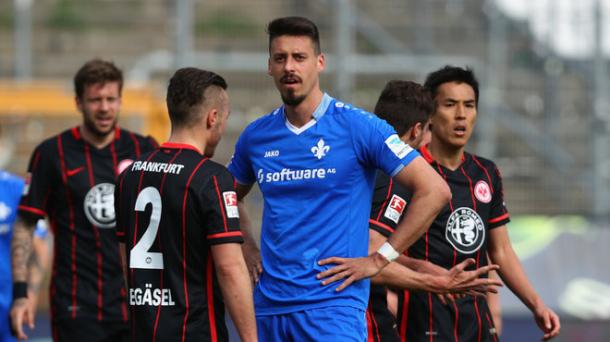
269	66
79	103
321	62
213	118
416	131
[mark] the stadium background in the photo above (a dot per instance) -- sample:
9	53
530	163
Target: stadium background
543	112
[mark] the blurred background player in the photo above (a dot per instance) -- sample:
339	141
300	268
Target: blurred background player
472	225
178	223
406	106
72	178
11	188
314	159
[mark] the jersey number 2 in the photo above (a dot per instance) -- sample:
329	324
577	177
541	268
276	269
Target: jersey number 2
140	257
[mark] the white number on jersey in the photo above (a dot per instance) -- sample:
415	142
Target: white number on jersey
140	257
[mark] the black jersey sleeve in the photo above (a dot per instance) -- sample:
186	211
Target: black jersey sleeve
118	208
221	218
42	175
388	206
499	214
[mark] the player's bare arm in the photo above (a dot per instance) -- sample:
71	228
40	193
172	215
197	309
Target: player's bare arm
236	290
37	268
456	280
502	253
21	249
249	248
430	195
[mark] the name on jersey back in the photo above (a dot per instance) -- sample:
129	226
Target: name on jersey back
157	167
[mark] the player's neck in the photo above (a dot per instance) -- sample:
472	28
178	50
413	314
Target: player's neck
189	137
98	141
302	113
450	157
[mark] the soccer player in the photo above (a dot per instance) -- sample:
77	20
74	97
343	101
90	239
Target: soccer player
11	188
314	159
471	226
71	181
406	106
178	223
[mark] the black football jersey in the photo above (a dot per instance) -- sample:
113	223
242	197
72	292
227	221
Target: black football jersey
72	183
460	231
172	205
386	211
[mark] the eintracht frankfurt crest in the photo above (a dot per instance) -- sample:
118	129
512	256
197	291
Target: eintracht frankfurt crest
465	230
99	205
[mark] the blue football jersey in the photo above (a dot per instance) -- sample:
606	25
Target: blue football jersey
317	184
10	194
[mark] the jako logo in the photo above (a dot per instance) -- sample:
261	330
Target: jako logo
273	153
320	150
290	175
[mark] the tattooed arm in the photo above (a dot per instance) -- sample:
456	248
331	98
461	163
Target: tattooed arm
37	269
21	249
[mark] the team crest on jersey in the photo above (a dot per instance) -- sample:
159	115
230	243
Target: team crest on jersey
465	230
230	199
482	191
395	208
5	211
99	205
320	150
124	164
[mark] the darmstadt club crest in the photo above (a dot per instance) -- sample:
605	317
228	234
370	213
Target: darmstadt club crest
99	205
465	230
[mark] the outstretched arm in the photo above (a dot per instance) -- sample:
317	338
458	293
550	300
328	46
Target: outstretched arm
21	249
502	253
430	195
249	248
236	290
455	280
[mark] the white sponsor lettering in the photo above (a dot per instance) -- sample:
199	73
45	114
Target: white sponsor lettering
291	175
157	167
151	297
5	211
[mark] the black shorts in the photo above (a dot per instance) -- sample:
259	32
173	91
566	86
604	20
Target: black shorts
90	330
421	314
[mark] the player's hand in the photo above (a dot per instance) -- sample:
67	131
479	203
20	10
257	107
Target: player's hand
252	256
33	305
353	269
459	281
20	314
548	321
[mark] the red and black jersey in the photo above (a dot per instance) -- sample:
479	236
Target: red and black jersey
389	202
172	205
460	231
72	183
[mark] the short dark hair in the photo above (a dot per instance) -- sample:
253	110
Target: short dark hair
294	26
186	90
96	71
403	104
450	73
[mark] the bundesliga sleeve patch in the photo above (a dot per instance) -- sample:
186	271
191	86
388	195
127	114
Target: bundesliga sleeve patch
230	199
397	146
395	209
26	185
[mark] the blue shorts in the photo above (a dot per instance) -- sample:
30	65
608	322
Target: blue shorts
332	324
5	328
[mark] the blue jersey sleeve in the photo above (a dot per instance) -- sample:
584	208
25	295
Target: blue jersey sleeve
240	165
378	145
